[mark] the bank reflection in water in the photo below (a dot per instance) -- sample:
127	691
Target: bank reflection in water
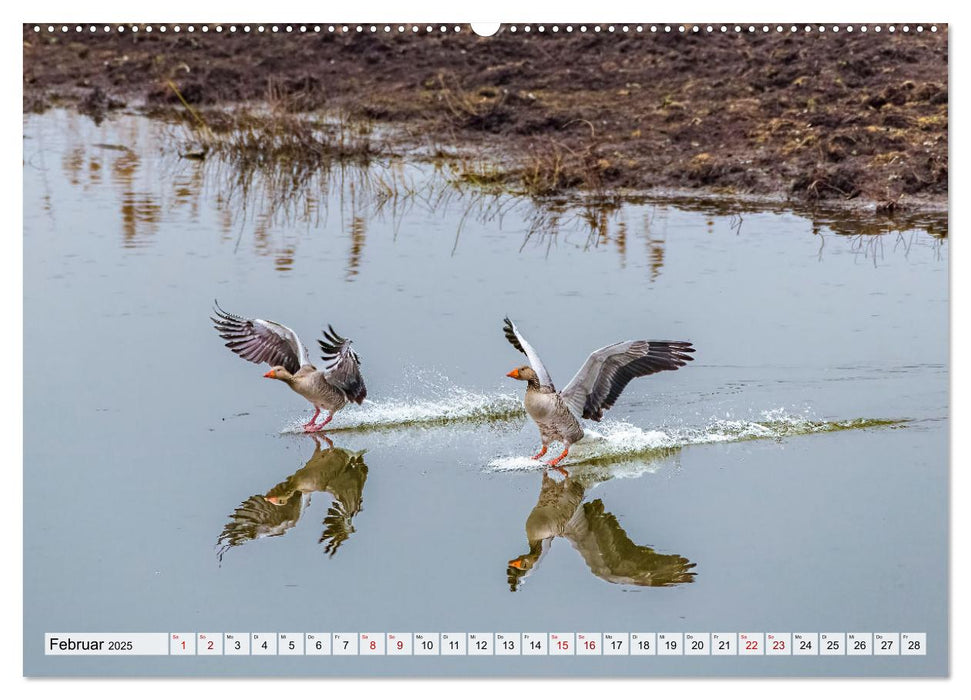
596	535
339	472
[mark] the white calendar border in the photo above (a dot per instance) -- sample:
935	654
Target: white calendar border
11	644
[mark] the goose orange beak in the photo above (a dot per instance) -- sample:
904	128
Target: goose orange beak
270	375
514	374
517	564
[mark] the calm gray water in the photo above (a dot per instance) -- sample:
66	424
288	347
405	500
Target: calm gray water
794	478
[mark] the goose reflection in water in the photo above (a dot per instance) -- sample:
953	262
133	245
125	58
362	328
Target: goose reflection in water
340	472
596	535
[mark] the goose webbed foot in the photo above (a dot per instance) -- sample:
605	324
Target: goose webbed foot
540	453
328	419
554	462
310	426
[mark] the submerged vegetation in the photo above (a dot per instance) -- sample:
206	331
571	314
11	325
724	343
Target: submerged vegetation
280	162
284	160
271	137
277	158
270	193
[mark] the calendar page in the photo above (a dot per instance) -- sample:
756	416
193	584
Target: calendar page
517	350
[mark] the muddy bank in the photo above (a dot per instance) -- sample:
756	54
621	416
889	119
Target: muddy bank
835	116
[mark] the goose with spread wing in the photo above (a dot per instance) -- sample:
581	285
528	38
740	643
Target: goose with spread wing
595	387
328	389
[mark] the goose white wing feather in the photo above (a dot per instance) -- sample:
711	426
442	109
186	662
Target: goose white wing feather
519	342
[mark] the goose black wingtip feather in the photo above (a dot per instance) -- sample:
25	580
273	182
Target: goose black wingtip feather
510	334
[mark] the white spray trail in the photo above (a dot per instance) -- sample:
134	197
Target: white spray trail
460	406
618	442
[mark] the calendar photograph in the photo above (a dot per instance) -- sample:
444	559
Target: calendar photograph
461	351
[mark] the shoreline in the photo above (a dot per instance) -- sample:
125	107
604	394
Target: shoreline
797	121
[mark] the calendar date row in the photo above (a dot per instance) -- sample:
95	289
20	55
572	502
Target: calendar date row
491	644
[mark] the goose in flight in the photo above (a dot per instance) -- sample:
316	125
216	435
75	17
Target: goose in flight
595	387
328	389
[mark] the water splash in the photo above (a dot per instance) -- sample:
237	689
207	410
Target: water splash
460	407
622	442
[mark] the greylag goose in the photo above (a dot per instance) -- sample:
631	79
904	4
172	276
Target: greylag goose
340	472
593	389
328	389
602	542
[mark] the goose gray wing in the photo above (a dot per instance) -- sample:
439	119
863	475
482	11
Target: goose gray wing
258	340
519	342
343	366
614	557
608	370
